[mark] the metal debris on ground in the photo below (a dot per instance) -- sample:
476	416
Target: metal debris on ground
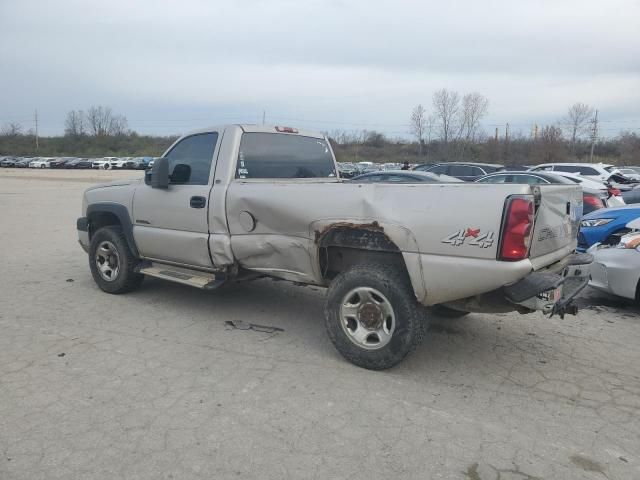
240	325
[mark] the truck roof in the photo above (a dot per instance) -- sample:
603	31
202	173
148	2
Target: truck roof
255	128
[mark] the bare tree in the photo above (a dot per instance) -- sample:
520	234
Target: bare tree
118	125
11	129
102	122
98	120
577	122
446	105
74	125
474	108
418	125
550	147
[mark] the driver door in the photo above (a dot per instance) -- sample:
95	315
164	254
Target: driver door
171	224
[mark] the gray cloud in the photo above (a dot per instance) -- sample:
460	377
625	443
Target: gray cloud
170	66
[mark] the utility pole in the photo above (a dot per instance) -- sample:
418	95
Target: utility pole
594	136
263	115
496	138
36	118
507	152
535	132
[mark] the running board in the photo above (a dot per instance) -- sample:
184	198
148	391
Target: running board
193	278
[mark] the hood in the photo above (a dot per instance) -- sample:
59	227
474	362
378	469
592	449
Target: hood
607	212
116	183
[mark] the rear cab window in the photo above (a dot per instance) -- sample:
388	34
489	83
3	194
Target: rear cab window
274	155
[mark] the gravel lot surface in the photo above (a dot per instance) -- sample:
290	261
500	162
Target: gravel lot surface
156	385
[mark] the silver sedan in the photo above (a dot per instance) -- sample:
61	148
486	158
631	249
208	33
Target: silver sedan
616	269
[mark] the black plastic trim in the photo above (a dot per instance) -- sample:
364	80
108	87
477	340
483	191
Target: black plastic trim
122	213
82	224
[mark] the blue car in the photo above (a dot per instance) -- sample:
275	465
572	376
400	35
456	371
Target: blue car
605	226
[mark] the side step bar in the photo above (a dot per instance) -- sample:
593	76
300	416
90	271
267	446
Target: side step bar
185	276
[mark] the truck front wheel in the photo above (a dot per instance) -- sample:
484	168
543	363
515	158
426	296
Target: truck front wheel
111	261
372	316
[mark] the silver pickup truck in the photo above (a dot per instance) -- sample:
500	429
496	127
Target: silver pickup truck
244	201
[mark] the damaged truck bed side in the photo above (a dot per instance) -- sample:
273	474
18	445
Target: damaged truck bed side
236	201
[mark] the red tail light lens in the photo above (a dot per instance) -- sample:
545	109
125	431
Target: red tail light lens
591	203
517	229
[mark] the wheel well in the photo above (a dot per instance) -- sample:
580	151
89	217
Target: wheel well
98	220
341	247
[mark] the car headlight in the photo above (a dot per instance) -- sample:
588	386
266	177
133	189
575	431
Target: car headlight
597	222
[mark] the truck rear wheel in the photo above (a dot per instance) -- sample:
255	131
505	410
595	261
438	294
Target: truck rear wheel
372	316
111	261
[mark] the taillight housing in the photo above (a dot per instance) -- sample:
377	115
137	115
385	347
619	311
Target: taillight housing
516	228
591	203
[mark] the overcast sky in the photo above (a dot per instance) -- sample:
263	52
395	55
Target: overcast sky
170	66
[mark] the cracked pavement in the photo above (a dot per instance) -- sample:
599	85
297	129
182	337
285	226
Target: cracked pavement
155	384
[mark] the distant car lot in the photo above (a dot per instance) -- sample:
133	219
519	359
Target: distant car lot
105	163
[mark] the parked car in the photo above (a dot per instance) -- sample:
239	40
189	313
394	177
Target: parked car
8	162
404	176
347	170
23	162
40	163
632	196
605	226
612	194
591	170
592	198
100	163
79	163
616	269
59	162
468	172
120	164
270	204
630	173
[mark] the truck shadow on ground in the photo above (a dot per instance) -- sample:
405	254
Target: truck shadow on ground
297	314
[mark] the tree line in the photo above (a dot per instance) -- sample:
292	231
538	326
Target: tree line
450	130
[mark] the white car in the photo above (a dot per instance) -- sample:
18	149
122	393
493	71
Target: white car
613	196
41	163
597	171
616	269
102	163
630	173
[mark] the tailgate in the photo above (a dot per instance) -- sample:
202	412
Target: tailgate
558	213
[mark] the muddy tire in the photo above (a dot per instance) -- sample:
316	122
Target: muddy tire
446	312
111	261
372	316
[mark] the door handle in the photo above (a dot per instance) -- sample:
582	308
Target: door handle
197	202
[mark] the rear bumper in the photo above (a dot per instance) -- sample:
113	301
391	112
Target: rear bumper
551	290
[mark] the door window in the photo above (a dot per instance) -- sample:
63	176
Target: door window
190	160
494	179
438	169
464	171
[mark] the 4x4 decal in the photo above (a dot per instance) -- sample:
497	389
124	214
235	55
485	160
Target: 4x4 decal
477	238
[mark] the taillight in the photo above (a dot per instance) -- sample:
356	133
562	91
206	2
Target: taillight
614	192
591	203
517	229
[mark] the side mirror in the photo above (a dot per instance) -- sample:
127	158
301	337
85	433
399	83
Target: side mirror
159	173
